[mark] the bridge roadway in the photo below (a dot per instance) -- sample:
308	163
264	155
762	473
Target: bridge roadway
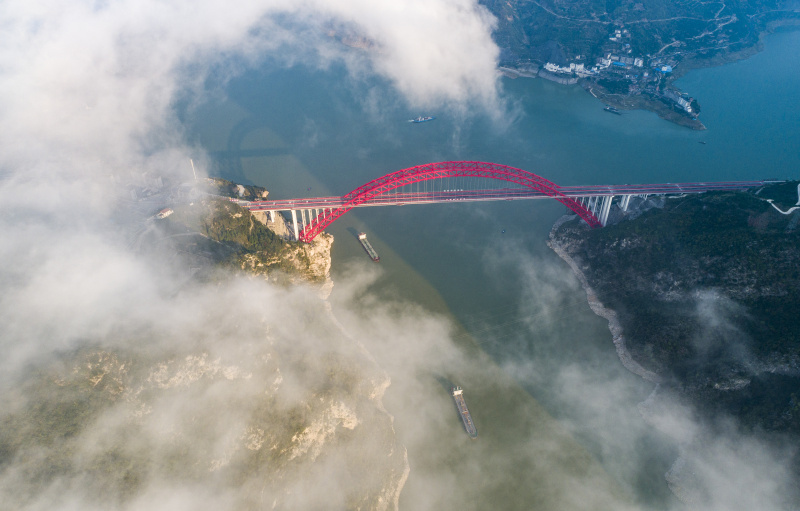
399	198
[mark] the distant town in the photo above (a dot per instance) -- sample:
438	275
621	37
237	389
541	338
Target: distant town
629	54
618	73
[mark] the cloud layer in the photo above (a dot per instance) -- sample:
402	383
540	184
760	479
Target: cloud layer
87	91
710	464
87	94
99	77
97	322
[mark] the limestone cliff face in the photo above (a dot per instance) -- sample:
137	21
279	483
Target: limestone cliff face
303	261
260	406
275	425
251	242
278	225
318	255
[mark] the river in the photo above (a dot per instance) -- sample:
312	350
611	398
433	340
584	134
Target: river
555	410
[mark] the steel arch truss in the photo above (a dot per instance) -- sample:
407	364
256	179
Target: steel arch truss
443	170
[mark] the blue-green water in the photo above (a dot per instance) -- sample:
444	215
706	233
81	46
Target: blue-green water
311	132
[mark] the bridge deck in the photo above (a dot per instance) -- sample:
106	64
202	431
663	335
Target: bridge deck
400	198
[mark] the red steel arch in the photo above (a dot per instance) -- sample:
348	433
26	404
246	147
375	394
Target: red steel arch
442	170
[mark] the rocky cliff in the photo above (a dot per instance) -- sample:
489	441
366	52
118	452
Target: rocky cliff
235	238
233	392
269	426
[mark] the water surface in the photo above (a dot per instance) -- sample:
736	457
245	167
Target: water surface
557	380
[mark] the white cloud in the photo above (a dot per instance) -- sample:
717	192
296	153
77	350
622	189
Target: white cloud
98	78
87	92
721	465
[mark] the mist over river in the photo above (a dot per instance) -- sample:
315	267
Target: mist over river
555	410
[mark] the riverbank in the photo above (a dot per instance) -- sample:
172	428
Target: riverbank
599	308
705	283
688	64
650	103
619	101
640	102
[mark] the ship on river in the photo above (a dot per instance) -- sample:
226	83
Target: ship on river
362	237
461	405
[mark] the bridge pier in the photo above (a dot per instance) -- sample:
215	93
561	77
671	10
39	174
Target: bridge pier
306	218
294	225
598	205
625	202
605	209
443	181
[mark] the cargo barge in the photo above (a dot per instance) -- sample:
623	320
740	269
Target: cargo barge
362	237
461	405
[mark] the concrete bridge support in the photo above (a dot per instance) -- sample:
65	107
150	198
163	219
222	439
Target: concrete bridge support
301	218
605	209
625	202
599	205
294	225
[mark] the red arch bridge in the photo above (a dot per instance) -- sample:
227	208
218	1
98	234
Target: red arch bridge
472	181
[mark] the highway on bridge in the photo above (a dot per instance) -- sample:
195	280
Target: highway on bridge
473	181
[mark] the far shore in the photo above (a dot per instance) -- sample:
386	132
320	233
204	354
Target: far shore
640	102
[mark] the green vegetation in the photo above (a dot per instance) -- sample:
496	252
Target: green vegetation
233	238
643	36
228	222
615	86
106	421
784	194
558	31
43	437
705	289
